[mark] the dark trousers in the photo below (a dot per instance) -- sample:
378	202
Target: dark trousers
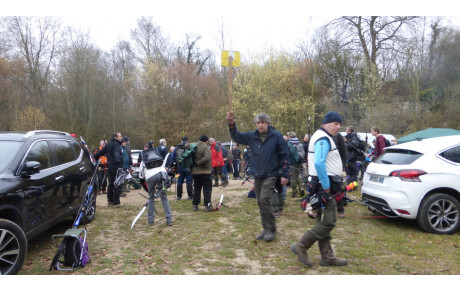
185	176
264	188
202	181
352	171
325	222
102	178
113	193
278	197
236	168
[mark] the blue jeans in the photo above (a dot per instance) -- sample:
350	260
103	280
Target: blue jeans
185	175
225	169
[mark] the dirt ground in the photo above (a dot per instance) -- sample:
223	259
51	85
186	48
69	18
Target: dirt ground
235	189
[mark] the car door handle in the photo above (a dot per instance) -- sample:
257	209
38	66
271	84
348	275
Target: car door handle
59	178
82	169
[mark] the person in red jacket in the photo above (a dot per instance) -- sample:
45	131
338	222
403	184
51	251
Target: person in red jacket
380	142
217	162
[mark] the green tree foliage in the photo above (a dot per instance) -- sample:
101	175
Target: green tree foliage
30	118
393	72
277	86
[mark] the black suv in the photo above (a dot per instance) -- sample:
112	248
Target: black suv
44	176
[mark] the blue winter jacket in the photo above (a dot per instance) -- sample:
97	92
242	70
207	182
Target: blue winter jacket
269	158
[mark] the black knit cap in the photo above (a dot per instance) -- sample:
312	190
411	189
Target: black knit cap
203	138
332	116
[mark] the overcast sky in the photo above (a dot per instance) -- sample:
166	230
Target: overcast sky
252	26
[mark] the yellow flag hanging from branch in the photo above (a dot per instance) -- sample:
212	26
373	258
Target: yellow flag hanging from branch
235	58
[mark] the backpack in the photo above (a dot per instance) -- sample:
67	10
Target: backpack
361	150
71	249
152	158
184	157
387	143
300	152
230	156
361	145
293	154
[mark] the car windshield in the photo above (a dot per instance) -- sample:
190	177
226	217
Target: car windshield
8	150
398	157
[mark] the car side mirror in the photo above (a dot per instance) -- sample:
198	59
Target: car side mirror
30	168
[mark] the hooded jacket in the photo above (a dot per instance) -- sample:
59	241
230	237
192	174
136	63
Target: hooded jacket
352	146
269	158
202	158
217	160
113	153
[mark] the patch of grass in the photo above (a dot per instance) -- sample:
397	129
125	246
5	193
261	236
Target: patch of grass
224	243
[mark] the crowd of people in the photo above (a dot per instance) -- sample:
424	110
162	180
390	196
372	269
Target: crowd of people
272	160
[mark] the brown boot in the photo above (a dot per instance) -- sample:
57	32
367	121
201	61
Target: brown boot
327	255
300	248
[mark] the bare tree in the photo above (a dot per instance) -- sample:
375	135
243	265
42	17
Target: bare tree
149	43
190	53
35	40
222	36
370	34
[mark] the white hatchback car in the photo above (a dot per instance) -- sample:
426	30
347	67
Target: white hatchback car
418	180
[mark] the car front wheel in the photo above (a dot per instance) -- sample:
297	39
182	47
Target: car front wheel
439	214
13	247
89	212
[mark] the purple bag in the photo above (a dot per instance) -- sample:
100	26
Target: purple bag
85	259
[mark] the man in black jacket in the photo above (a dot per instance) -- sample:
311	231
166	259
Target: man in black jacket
270	156
114	162
352	142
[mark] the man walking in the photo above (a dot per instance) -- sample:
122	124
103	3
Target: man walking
270	156
325	165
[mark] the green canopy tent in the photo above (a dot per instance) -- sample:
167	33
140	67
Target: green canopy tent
428	133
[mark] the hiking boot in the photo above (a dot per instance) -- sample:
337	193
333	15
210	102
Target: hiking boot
122	194
209	208
195	207
169	223
261	235
110	204
300	248
178	198
151	223
294	195
117	205
224	184
270	235
327	255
